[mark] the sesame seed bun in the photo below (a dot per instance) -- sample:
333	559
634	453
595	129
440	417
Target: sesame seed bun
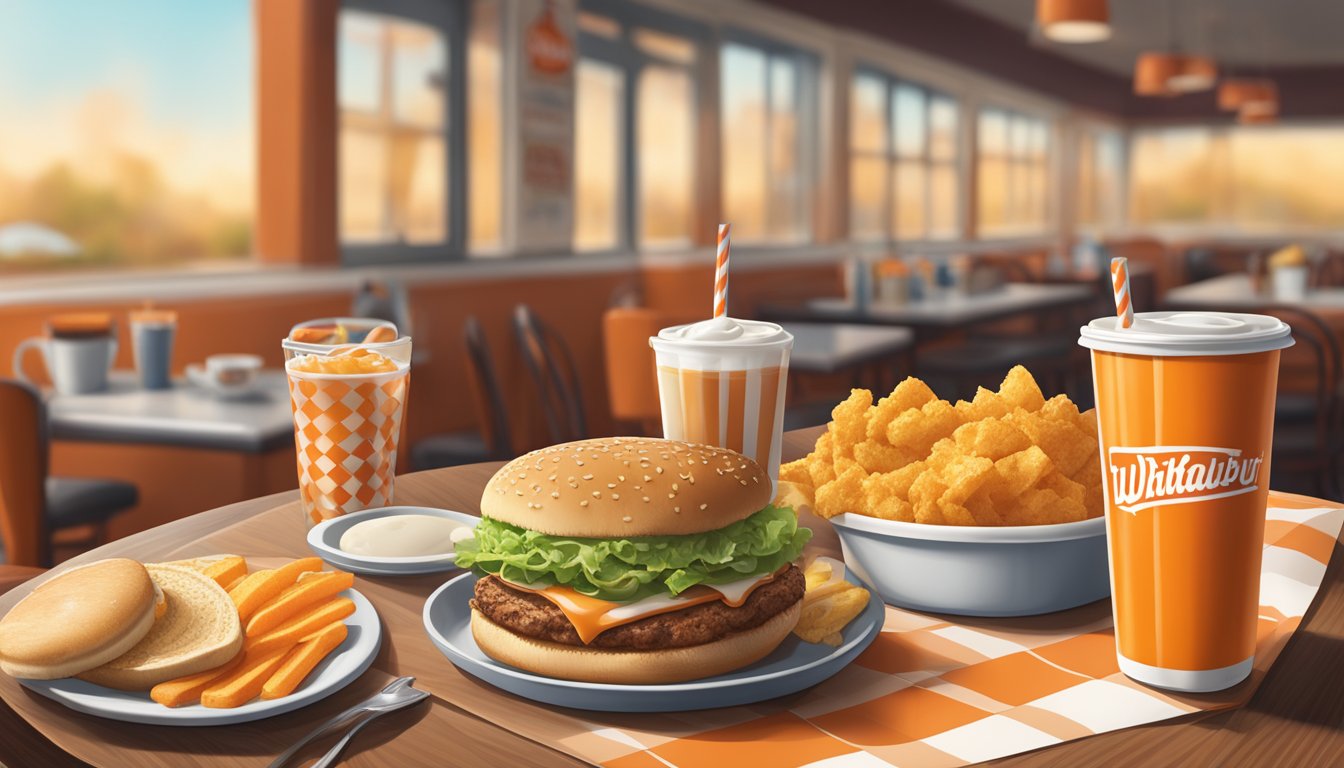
78	620
617	487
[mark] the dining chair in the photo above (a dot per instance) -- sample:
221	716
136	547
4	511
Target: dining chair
35	506
1307	437
550	365
632	376
493	441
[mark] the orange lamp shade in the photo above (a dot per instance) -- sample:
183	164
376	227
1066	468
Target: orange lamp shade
1236	92
1255	112
1074	21
1193	73
1151	73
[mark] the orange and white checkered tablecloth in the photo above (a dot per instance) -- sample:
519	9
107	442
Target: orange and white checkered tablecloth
933	692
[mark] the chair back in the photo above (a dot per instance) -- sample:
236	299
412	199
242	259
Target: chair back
1012	267
632	376
23	473
489	396
552	369
1310	330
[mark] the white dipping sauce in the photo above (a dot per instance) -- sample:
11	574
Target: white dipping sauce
404	536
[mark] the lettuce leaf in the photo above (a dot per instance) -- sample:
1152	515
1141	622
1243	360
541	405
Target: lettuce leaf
632	569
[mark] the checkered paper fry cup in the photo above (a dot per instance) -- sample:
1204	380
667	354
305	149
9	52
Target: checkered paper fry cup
345	435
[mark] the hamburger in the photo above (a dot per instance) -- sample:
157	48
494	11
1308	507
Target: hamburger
633	561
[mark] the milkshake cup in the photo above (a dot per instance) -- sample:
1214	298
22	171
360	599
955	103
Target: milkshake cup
349	401
722	382
1185	410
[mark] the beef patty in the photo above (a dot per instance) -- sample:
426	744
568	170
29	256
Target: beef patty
531	615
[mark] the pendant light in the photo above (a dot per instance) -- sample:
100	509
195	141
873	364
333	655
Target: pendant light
1074	21
1235	92
1193	73
1152	71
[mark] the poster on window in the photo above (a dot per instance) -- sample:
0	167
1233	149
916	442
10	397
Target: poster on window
546	124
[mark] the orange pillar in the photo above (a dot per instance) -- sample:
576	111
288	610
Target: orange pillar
296	131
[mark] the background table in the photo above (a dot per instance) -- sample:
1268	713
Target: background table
183	448
942	312
184	415
1237	291
1295	717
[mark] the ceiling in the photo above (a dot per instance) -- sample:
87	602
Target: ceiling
1241	34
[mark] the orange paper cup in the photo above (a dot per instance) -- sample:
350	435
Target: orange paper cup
1185	409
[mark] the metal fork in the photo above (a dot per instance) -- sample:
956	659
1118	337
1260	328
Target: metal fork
397	695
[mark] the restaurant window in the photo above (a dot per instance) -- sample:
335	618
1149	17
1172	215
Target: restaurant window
766	113
903	161
485	129
1013	172
394	158
1239	178
635	118
128	133
1100	178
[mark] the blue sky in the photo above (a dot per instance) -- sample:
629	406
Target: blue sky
190	61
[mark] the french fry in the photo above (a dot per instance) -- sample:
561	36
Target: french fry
252	594
233	584
186	690
227	570
301	660
295	599
302	625
244	682
319	334
381	334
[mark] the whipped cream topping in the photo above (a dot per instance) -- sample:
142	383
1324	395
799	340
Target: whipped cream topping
1188	333
726	330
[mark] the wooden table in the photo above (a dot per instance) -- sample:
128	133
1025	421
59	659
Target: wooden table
1295	718
1236	291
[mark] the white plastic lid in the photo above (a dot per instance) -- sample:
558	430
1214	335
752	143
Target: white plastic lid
727	330
1188	334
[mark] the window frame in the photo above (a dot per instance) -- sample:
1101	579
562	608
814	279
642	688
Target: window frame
806	96
890	157
1013	165
1090	135
452	21
625	55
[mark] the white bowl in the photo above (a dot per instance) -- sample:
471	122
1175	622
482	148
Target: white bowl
1018	570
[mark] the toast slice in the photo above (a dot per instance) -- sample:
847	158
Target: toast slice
199	631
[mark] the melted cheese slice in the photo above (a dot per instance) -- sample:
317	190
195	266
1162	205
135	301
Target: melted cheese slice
592	616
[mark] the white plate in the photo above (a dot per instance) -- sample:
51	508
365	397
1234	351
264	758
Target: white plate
1017	570
325	541
338	670
790	668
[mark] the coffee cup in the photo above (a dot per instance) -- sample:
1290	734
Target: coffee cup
78	351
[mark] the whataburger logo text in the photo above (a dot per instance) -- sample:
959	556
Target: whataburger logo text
1159	475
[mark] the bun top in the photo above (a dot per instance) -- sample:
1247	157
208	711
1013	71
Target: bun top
618	487
74	614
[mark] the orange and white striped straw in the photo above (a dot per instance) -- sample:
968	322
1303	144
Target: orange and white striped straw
1124	309
721	273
